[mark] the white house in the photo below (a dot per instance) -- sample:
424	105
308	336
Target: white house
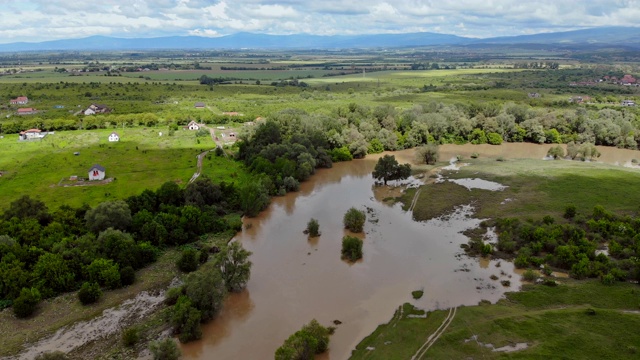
114	137
628	103
31	134
96	172
89	112
20	100
193	126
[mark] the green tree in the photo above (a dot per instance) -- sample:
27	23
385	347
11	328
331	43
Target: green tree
109	214
89	293
557	152
52	275
494	138
388	168
206	290
351	248
354	220
188	261
312	339
25	304
254	197
165	350
235	266
313	228
26	207
105	272
185	319
427	154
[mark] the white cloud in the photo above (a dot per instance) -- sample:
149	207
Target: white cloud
39	20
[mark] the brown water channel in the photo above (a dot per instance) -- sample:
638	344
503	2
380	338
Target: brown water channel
295	279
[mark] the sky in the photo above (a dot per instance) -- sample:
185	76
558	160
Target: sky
42	20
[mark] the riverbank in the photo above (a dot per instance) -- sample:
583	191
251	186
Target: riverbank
574	320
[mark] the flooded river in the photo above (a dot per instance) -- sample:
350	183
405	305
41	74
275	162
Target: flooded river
295	279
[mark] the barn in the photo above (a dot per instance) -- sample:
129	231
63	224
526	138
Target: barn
96	172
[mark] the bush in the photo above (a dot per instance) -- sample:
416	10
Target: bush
354	220
475	155
25	304
127	276
557	152
608	279
570	212
172	295
427	154
313	228
188	261
312	339
218	151
494	138
185	320
165	350
351	248
487	249
130	336
89	293
529	275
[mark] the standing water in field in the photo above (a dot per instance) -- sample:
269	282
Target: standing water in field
295	279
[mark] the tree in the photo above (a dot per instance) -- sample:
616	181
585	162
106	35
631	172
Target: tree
52	275
254	197
165	350
104	272
109	214
89	293
354	220
557	152
25	304
351	248
388	168
312	339
26	207
185	319
235	266
313	228
427	154
188	261
206	291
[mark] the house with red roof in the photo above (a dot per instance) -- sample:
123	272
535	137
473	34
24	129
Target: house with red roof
27	111
31	134
20	100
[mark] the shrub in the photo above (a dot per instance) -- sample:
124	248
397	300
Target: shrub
218	151
89	293
172	295
427	154
354	220
529	275
25	304
608	279
570	211
291	184
312	339
188	261
165	350
487	249
549	282
417	294
556	152
185	320
130	336
475	155
351	248
494	138
313	228
127	276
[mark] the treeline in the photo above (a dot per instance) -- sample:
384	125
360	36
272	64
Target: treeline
572	246
537	65
45	253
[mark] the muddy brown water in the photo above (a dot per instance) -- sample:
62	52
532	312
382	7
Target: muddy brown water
295	279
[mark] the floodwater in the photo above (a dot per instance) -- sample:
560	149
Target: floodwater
476	183
295	279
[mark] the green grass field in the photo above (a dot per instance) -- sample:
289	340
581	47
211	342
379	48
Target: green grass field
535	188
553	321
141	160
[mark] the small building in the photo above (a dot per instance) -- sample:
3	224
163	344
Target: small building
628	103
96	172
97	109
199	105
31	134
193	125
113	137
534	95
20	100
27	111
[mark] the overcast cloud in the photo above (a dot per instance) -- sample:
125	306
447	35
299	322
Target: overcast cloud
40	20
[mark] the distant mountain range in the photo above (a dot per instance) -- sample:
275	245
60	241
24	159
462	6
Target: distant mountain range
627	37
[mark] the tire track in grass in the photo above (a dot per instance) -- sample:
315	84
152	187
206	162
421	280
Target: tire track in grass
436	334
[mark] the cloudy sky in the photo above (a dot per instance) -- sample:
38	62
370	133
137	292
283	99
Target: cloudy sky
40	20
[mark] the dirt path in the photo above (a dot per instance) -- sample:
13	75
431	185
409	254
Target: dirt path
415	199
436	334
199	167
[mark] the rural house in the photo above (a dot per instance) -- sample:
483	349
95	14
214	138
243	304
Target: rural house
193	125
20	100
27	111
628	103
114	137
31	134
199	105
97	109
96	172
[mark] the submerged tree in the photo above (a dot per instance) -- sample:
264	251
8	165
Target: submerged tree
388	168
235	266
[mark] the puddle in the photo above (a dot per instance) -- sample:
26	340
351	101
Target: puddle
111	321
479	184
507	348
294	280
